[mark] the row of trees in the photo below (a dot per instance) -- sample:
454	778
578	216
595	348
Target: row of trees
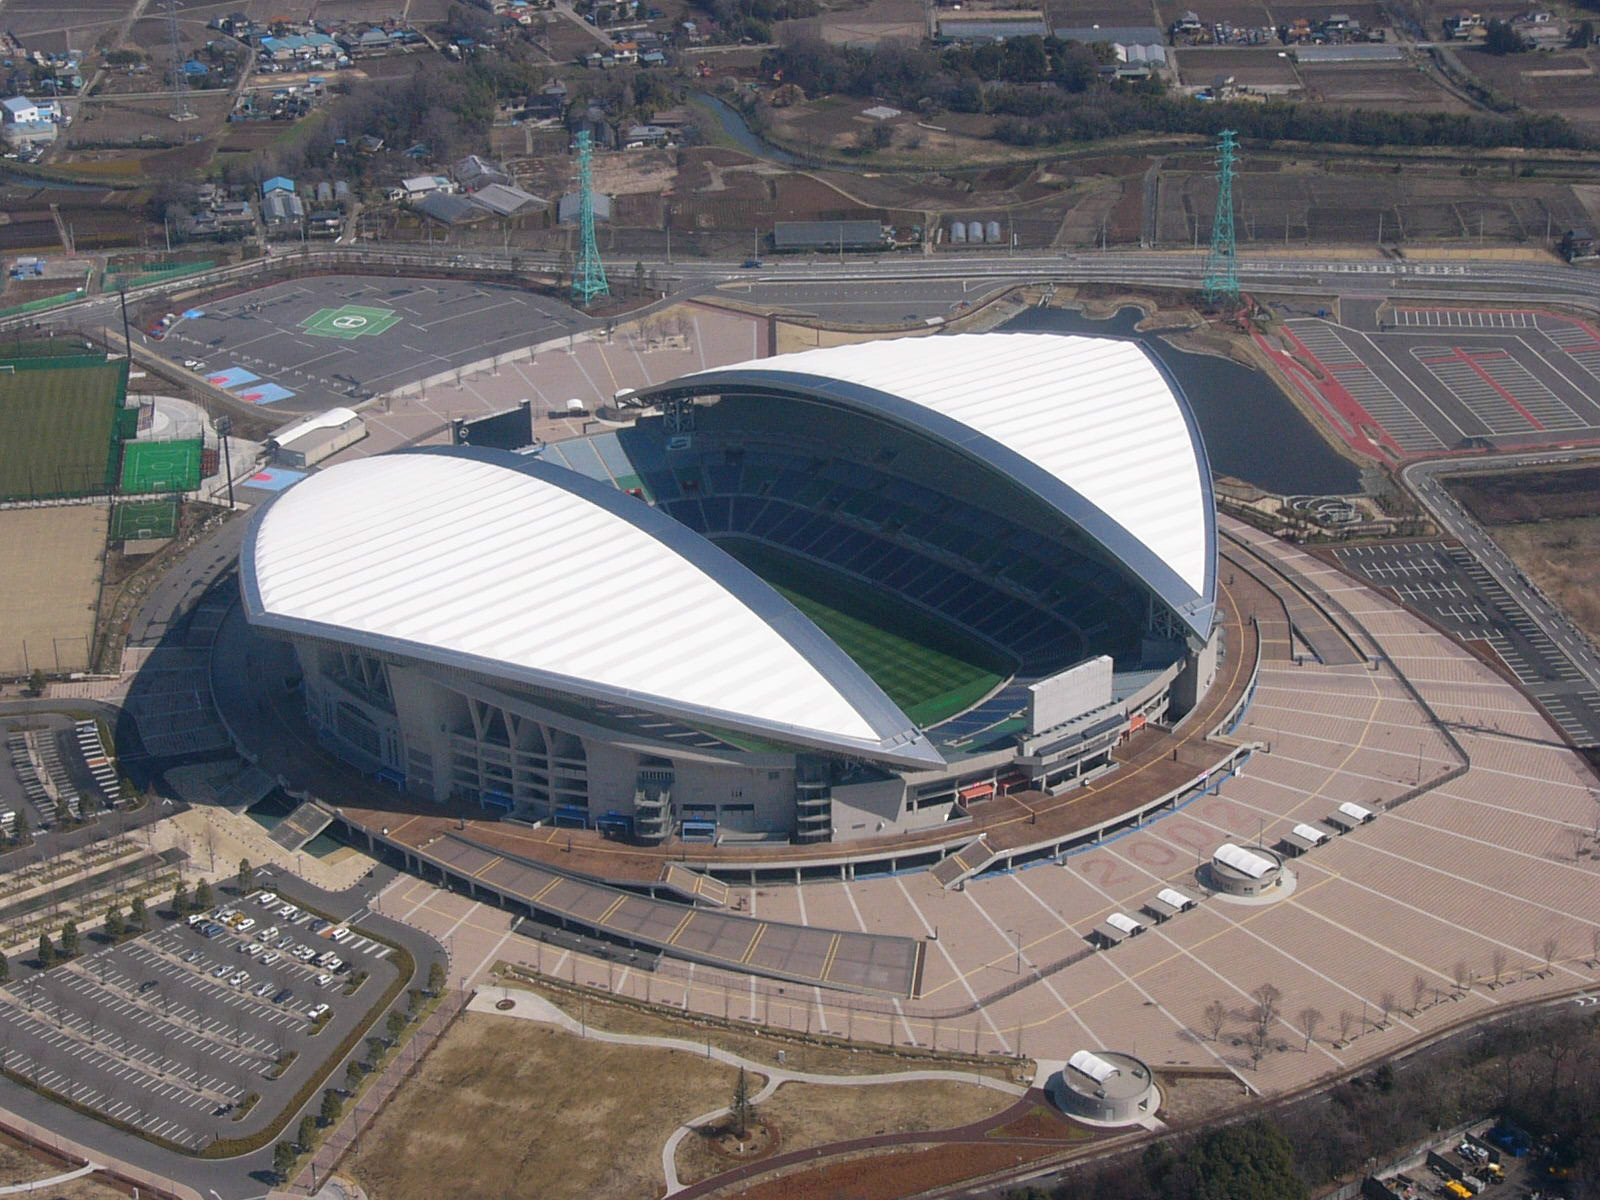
1085	106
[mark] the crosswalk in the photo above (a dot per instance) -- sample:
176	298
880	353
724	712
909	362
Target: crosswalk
1463	318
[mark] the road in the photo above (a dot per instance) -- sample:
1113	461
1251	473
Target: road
1465	281
1423	480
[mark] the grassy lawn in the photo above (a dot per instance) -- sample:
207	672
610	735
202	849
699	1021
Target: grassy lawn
805	1115
931	669
511	1108
55	429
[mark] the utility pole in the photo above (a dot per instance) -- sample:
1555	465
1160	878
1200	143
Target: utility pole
224	427
127	337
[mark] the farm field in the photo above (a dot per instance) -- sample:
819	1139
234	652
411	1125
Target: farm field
57	428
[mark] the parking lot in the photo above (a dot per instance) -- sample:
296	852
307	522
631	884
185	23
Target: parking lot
172	1031
1446	583
280	345
1426	380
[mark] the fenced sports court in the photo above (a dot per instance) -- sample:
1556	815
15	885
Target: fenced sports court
161	466
140	519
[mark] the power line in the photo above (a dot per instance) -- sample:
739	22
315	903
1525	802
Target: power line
589	279
1220	283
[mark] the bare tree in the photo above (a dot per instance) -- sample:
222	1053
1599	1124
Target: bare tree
1257	1040
1463	973
1310	1018
1388	1002
1497	961
1419	989
1550	947
1266	997
1216	1018
211	845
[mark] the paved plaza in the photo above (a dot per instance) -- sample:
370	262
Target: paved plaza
1474	895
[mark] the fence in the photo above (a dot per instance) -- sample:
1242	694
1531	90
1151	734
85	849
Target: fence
346	1135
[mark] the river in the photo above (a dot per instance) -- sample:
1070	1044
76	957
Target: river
1252	430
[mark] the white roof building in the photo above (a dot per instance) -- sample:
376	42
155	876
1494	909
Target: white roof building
1092	425
19	110
1243	861
527	571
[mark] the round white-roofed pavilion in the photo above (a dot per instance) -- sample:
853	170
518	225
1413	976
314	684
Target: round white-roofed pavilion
1244	871
1104	1087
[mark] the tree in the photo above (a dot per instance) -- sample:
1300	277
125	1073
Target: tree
1248	1161
1216	1018
243	878
1550	948
1388	1002
1347	1021
436	978
396	1024
202	896
352	1075
330	1107
47	952
69	939
180	898
136	914
36	683
5	969
1582	37
1310	1018
1501	38
739	1110
1266	997
283	1159
1419	989
1497	961
19	832
115	925
308	1131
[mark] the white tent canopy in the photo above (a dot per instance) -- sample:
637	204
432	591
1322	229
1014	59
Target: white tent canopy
1092	1065
1242	860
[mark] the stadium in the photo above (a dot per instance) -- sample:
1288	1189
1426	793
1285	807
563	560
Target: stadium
831	596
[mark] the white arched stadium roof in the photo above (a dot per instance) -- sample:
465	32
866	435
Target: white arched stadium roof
1091	425
521	570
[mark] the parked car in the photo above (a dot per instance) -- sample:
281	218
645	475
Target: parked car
268	959
239	978
324	980
267	898
219	972
316	1012
283	997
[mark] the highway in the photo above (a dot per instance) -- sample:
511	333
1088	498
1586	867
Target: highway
1467	280
1423	480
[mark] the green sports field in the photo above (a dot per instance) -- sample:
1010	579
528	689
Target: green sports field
160	466
931	669
144	519
57	425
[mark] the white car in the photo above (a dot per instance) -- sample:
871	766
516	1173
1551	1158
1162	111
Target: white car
269	959
267	934
246	925
305	953
316	1012
266	899
193	364
288	911
340	934
239	979
324	980
194	919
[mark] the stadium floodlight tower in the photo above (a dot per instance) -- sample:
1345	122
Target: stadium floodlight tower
180	89
589	279
1220	283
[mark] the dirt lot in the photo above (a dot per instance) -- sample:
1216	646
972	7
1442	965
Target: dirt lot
47	601
1255	67
876	21
19	1164
1529	495
1560	82
802	1115
1392	86
1563	558
526	1117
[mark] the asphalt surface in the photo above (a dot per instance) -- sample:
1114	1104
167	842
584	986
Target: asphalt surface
442	324
1559	634
1450	586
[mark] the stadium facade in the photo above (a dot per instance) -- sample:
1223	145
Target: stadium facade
828	596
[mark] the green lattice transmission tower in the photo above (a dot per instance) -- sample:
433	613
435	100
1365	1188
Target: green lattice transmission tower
589	277
1220	283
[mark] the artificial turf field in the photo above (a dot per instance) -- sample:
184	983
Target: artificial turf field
56	428
160	466
928	667
144	519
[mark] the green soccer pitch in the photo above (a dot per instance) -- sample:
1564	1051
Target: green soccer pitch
927	666
350	321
